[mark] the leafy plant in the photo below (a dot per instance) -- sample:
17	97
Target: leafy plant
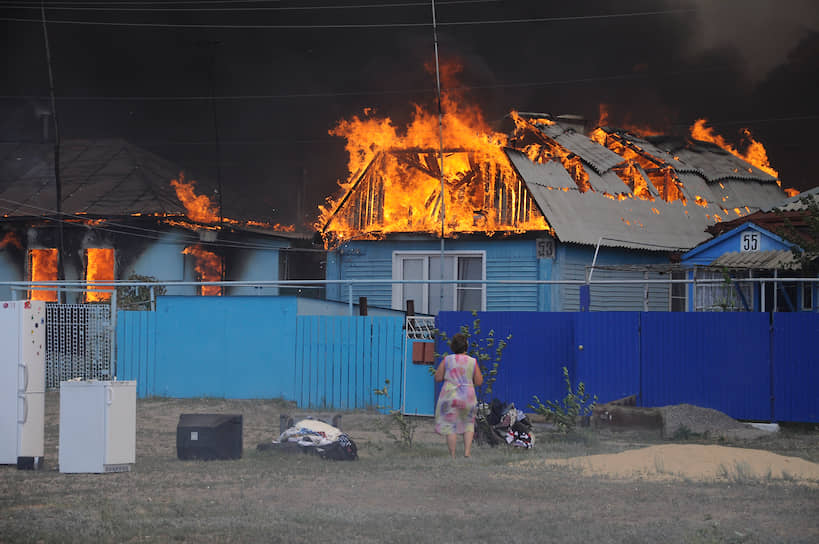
485	349
805	236
565	413
131	297
395	418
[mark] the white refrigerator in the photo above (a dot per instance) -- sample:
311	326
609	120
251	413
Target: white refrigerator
97	426
22	382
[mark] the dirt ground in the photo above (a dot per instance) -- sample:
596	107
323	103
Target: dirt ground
597	485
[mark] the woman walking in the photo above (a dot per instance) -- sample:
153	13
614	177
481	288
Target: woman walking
457	403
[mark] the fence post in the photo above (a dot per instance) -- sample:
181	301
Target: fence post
113	334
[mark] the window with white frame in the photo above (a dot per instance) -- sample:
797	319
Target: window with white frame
715	296
431	298
679	292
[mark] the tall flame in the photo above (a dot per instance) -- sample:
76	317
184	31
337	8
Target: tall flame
199	207
100	267
394	182
755	152
208	267
43	267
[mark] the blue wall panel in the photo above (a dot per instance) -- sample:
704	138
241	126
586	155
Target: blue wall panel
609	363
715	360
531	364
225	347
796	367
341	360
136	350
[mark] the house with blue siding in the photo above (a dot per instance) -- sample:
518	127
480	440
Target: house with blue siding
755	247
554	205
128	213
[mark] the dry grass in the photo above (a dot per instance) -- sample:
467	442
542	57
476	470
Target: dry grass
389	495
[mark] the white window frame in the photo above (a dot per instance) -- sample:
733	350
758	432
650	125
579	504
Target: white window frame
423	305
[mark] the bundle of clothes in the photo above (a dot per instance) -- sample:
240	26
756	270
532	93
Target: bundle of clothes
499	422
316	437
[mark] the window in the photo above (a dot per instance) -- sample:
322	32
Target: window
679	292
721	296
99	267
42	266
431	298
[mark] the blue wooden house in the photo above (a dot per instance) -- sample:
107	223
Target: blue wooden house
121	216
747	248
554	203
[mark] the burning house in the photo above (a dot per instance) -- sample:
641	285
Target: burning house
541	201
125	212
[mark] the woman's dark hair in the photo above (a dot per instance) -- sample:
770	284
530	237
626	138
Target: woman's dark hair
459	343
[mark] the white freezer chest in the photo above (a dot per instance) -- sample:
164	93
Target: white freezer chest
97	426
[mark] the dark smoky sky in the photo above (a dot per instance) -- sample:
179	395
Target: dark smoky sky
141	71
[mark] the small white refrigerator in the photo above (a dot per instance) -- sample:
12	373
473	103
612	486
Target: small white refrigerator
22	382
97	426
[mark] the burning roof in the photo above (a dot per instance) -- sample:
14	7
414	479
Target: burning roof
611	187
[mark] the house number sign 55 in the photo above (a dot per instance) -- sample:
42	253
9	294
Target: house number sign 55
545	248
749	241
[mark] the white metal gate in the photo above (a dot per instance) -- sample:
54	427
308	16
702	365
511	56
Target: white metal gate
79	339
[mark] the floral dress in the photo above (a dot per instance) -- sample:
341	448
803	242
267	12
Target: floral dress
457	404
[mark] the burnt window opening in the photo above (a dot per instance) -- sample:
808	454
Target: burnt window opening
99	266
208	266
807	296
42	266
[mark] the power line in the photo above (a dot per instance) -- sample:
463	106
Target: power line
358	25
117	6
529	84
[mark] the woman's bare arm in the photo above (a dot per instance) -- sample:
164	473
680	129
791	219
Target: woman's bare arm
439	373
477	378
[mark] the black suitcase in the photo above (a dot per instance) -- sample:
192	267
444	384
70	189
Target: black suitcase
209	436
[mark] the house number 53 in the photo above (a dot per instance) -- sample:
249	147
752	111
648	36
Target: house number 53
749	241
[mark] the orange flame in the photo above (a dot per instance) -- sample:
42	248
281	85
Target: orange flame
10	239
394	182
755	152
791	192
100	267
43	267
208	268
199	207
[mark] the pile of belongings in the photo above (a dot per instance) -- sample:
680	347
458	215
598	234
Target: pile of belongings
499	422
317	437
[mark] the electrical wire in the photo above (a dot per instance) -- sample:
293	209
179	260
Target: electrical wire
117	6
424	25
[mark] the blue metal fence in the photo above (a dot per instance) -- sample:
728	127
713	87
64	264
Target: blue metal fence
243	347
737	363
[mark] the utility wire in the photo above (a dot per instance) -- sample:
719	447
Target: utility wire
116	6
360	25
529	84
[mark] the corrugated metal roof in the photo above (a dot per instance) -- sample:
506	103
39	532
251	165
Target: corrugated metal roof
584	218
654	151
717	164
766	260
99	177
549	174
694	186
795	203
735	193
609	183
595	155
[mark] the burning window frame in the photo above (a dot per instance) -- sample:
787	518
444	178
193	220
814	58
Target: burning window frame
34	273
99	293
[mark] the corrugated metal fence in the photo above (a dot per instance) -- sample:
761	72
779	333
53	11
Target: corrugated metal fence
738	363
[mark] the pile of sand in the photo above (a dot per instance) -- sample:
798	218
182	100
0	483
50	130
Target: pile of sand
691	462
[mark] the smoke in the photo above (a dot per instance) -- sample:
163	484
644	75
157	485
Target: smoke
762	32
